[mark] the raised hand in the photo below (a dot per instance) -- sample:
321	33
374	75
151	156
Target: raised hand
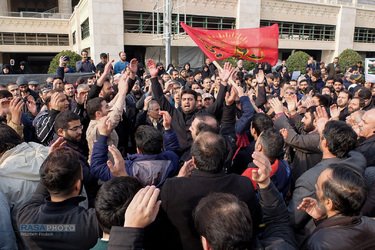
262	174
146	102
284	133
59	143
107	68
227	71
123	85
321	118
167	119
118	167
277	105
152	68
310	206
15	108
230	98
133	67
186	169
62	60
105	126
335	112
31	106
143	209
240	91
260	76
292	104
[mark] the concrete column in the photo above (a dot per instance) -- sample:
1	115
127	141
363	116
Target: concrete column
248	14
65	6
4	7
106	28
345	29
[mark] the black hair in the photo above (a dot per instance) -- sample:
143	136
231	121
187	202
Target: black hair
112	200
364	93
224	221
317	73
338	79
60	171
149	140
191	92
272	142
312	110
173	70
346	188
5	94
94	105
340	137
362	102
209	152
324	100
347	92
261	122
8	138
63	118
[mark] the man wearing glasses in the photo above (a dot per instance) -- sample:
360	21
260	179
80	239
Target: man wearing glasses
68	125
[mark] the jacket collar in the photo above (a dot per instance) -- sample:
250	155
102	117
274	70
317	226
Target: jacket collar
338	220
198	173
60	207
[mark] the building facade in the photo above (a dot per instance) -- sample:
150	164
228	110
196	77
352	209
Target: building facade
34	31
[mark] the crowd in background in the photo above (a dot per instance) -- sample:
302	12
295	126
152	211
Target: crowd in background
210	158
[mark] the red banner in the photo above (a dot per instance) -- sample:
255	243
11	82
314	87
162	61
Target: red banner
255	44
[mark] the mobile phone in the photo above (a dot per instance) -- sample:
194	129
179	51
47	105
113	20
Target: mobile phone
67	58
12	62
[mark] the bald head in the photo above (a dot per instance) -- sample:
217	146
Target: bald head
204	122
367	124
209	152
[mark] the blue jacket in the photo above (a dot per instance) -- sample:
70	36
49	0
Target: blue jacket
149	169
120	66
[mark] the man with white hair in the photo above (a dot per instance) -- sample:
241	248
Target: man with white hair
367	130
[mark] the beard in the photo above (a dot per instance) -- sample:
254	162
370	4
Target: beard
309	127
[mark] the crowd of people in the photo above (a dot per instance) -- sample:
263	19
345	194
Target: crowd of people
211	158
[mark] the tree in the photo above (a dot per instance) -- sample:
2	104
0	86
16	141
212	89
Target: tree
297	61
248	65
73	58
349	57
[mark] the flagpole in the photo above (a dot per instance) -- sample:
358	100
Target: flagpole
230	80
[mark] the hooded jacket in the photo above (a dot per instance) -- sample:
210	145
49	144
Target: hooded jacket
19	173
148	169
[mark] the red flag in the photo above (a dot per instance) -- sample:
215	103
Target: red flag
255	44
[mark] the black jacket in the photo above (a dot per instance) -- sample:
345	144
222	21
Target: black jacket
181	195
277	234
181	122
40	210
367	148
343	232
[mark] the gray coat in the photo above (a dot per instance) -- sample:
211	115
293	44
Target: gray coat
305	187
306	147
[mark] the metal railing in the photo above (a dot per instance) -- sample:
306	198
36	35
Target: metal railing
39	15
7	38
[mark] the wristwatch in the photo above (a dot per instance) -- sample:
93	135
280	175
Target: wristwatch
224	80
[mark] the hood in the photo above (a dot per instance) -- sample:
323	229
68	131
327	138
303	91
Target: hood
152	169
23	161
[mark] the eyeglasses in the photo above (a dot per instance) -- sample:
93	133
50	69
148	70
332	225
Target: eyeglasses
74	129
